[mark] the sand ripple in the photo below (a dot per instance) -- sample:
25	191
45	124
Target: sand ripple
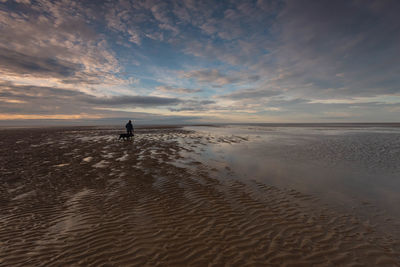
142	210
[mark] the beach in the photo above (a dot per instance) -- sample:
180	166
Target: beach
79	196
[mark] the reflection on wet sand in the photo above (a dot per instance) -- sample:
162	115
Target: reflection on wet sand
356	168
81	197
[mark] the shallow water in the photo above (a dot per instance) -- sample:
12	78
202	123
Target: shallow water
356	169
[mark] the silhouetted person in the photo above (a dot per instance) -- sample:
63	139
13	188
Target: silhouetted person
129	128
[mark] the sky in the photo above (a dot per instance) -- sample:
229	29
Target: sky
194	61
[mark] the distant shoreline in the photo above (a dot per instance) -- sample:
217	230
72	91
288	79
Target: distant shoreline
339	125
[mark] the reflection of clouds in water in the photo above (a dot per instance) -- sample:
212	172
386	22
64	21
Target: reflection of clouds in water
375	148
345	166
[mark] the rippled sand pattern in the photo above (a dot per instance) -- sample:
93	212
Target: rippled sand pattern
81	197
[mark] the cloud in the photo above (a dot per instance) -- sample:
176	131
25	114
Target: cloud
134	37
132	101
19	63
308	49
194	105
47	104
296	58
55	40
355	40
42	100
167	88
138	20
212	76
250	94
215	77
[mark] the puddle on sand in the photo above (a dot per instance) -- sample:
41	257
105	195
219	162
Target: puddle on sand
345	167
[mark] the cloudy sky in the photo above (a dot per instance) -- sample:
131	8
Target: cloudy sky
200	61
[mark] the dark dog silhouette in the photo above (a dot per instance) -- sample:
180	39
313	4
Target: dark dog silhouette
125	136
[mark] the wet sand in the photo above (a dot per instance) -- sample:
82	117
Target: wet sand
81	197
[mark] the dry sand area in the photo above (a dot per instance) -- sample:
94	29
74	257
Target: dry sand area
80	197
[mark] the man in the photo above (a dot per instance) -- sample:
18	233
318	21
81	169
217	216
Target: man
129	128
